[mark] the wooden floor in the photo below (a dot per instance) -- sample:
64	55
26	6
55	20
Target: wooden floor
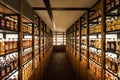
59	68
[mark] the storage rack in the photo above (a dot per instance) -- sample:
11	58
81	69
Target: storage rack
99	40
22	43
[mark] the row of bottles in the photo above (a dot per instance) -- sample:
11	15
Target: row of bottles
8	64
95	70
95	14
112	4
95	54
113	24
113	63
95	43
84	60
27	55
36	32
113	45
37	61
36	50
84	31
95	29
8	45
83	50
27	70
27	42
11	45
36	41
110	76
8	23
83	42
27	28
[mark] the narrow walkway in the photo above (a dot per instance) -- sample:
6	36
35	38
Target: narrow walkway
59	68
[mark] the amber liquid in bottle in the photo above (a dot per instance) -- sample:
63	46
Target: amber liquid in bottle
2	22
2	68
7	66
15	26
6	46
11	45
8	24
12	25
2	49
114	66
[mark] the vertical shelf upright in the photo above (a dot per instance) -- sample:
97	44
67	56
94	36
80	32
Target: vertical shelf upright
36	40
84	40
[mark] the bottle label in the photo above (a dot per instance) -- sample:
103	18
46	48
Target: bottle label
11	67
15	65
3	72
8	69
7	24
2	23
113	67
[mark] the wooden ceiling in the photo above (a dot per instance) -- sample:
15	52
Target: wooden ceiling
60	14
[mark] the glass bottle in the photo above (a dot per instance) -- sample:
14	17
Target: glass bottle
2	68
108	46
113	46
114	66
11	62
15	25
6	46
117	2
7	65
10	45
2	22
2	46
12	24
8	25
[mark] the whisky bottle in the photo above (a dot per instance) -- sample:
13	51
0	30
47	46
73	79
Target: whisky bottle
108	64
2	22
7	66
114	66
2	68
6	46
2	47
118	67
11	24
113	46
117	2
108	46
8	25
108	76
11	63
11	45
15	60
15	25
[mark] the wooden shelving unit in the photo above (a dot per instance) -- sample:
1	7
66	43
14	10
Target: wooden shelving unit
25	45
98	40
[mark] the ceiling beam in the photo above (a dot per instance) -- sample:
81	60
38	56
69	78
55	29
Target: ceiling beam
61	8
48	8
